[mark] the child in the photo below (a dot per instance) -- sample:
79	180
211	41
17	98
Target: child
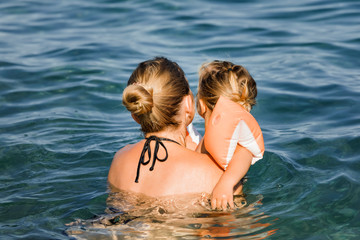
232	83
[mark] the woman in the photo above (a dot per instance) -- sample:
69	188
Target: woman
160	100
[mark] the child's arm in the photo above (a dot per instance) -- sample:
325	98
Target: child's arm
200	148
189	143
192	138
239	165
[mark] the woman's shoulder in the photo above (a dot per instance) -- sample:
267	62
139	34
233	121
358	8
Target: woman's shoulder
197	171
128	150
195	160
123	162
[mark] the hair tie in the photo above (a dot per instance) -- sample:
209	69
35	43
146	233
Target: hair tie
230	69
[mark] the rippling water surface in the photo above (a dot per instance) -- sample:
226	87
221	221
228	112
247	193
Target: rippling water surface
64	65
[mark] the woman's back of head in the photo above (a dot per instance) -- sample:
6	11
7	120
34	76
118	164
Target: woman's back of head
223	78
154	93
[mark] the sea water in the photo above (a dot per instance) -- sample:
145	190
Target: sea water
64	65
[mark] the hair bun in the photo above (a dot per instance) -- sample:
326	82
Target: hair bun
137	99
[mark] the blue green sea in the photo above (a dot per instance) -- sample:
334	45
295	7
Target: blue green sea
64	65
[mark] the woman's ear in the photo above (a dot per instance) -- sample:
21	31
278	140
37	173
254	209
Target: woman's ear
135	118
189	109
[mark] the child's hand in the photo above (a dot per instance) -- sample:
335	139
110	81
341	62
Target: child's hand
222	195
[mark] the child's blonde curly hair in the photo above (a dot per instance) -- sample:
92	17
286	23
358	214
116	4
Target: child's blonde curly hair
223	78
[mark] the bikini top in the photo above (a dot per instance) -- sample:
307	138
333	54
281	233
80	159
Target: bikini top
147	148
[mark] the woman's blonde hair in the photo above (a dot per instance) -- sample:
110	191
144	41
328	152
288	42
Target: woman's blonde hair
154	93
223	78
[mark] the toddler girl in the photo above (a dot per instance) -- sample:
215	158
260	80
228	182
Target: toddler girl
232	83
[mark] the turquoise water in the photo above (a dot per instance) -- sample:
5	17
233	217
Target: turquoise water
64	65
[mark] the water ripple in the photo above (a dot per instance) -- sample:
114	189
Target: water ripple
65	64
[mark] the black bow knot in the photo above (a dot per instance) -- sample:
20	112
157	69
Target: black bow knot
147	148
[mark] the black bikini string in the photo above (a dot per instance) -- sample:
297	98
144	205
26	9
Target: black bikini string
147	149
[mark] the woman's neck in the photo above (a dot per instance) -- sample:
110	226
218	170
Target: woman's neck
177	134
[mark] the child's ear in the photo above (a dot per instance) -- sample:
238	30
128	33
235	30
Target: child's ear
202	108
135	118
189	109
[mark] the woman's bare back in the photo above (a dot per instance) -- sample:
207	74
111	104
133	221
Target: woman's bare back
184	171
